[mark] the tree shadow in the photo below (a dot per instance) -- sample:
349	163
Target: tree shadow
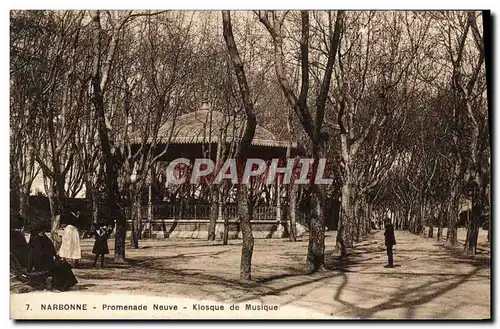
161	270
130	263
309	279
158	270
408	299
290	272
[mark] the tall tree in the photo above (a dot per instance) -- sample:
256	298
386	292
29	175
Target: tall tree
245	206
311	123
54	101
103	57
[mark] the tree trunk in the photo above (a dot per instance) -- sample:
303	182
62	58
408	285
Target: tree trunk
216	193
357	217
112	199
55	213
367	221
453	215
291	192
245	211
316	248
95	207
136	218
367	225
352	226
150	205
431	229
116	214
279	209
420	220
292	205
133	216
439	236
412	222
24	194
473	227
246	139
471	241
343	232
131	211
214	209
225	235
479	199
408	218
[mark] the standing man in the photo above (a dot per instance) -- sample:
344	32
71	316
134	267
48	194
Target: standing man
390	241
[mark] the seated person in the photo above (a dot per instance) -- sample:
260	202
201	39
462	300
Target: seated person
43	260
18	247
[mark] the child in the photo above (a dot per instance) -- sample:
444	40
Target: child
101	243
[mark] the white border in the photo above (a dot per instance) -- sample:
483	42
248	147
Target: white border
190	4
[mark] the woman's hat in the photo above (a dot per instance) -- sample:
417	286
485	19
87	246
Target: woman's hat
39	224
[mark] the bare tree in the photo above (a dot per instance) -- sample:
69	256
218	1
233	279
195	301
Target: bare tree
273	22
152	93
55	109
245	208
103	57
463	44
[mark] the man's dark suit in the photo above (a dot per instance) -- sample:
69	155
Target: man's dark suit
390	240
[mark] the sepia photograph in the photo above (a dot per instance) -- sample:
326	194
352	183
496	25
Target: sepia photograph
250	164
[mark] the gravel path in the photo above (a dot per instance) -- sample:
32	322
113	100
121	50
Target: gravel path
429	280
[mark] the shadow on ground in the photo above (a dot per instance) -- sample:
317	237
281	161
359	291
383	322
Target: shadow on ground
357	287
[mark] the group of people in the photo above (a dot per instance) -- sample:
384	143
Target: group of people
38	264
70	247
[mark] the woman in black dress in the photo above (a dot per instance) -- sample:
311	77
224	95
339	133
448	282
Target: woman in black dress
18	245
101	243
43	262
19	249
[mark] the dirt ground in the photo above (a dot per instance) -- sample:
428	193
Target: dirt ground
429	280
